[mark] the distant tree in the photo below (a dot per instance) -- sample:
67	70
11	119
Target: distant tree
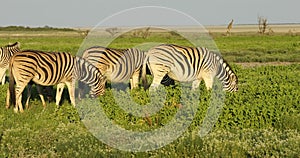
112	31
262	25
47	27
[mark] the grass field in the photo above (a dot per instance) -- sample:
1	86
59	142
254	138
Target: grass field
260	120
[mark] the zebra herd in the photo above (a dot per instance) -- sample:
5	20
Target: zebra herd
166	62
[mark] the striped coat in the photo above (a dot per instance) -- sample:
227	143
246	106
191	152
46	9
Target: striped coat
44	68
118	65
188	64
6	53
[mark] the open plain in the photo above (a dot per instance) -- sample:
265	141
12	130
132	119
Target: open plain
260	120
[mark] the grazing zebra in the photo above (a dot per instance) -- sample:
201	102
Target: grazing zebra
118	65
187	64
45	68
6	53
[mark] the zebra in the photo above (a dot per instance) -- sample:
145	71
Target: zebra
6	53
187	64
51	68
118	65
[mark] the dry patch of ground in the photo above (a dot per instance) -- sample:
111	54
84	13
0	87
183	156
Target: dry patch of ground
255	64
284	28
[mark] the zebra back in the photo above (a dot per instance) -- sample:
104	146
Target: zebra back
48	68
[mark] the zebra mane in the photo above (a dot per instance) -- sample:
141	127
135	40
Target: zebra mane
224	64
16	44
82	64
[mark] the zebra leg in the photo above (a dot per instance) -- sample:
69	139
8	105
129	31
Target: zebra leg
158	74
3	79
28	95
2	75
80	90
59	90
19	106
196	84
39	89
71	88
134	81
208	79
7	99
131	83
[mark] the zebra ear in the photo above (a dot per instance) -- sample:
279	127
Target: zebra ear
18	44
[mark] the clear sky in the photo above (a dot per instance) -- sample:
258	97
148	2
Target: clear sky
88	13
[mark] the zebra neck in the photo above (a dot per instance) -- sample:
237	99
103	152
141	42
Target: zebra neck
223	73
86	72
14	50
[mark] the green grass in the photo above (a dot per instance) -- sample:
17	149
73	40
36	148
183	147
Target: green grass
260	120
235	48
258	48
51	43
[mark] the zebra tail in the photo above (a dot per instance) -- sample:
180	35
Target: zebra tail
12	86
144	78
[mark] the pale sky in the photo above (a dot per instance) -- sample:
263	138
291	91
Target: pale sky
88	13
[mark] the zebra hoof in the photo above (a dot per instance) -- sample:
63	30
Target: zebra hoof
154	87
16	110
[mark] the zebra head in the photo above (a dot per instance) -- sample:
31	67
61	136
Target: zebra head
226	75
232	85
98	88
91	75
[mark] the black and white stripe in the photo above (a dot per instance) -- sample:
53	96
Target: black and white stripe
45	68
6	53
187	64
118	65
